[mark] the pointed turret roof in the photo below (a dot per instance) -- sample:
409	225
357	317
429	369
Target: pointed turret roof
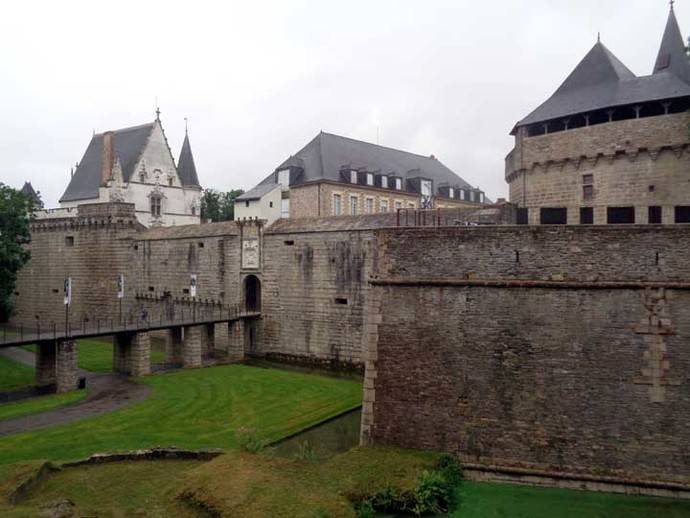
599	66
186	169
29	191
672	57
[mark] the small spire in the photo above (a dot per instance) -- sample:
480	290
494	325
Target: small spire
598	37
185	125
671	2
158	113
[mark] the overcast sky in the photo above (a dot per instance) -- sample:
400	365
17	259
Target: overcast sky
258	80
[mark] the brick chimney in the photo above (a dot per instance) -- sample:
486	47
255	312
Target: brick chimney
108	156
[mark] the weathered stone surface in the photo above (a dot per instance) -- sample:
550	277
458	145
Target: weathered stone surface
192	346
66	373
45	362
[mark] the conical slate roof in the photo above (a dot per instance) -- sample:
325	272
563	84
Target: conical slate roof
602	81
597	67
186	169
672	56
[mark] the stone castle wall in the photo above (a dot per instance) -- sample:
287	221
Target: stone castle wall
637	162
567	358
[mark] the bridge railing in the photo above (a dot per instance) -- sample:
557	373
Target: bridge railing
99	325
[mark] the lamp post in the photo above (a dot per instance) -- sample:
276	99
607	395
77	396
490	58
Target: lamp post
67	301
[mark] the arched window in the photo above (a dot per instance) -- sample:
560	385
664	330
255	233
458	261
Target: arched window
252	293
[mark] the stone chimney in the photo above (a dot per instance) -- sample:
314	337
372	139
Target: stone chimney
108	157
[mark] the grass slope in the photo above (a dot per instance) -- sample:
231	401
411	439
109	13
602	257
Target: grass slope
39	404
14	375
195	409
484	500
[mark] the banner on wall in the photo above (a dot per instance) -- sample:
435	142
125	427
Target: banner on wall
192	285
68	291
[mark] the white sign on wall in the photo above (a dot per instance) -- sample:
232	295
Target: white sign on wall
192	285
250	253
120	286
68	291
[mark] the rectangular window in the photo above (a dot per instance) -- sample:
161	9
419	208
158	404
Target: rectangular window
587	179
654	215
620	215
353	176
384	182
522	216
370	179
337	205
587	192
553	216
451	192
285	208
384	205
155	206
482	197
398	184
246	203
353	205
369	205
398	205
284	178
69	240
467	195
586	216
682	214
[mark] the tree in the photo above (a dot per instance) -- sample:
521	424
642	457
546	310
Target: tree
15	211
219	206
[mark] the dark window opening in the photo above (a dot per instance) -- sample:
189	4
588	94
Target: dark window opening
55	290
246	203
340	300
69	240
656	258
151	288
289	242
586	216
620	215
136	247
553	216
201	244
185	291
167	294
522	216
651	188
654	215
270	204
252	293
517	256
587	179
587	192
683	214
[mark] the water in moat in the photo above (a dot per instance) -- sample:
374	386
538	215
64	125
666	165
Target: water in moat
323	441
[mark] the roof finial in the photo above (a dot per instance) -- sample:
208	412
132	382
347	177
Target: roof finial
671	2
185	125
598	37
158	114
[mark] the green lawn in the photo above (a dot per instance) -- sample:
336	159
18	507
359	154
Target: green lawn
195	409
484	500
97	355
14	375
39	404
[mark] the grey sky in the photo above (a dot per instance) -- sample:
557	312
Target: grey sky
258	80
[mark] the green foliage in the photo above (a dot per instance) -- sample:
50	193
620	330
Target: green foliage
15	210
39	404
248	439
219	206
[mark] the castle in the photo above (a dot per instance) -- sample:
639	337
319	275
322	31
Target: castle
540	354
608	146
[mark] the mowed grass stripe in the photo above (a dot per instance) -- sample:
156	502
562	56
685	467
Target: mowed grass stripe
14	375
196	409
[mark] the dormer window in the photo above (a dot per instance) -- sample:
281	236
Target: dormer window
353	176
284	178
170	181
426	187
451	192
370	179
142	177
398	184
156	202
384	182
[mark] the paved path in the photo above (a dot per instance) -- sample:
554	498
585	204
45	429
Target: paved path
106	392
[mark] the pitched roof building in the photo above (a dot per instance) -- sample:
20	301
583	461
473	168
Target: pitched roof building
335	175
608	146
29	191
136	165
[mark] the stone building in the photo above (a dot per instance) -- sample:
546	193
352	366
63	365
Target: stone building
608	146
336	176
136	165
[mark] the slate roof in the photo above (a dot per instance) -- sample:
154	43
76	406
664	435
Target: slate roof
186	169
222	228
128	145
257	192
601	81
29	191
326	155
